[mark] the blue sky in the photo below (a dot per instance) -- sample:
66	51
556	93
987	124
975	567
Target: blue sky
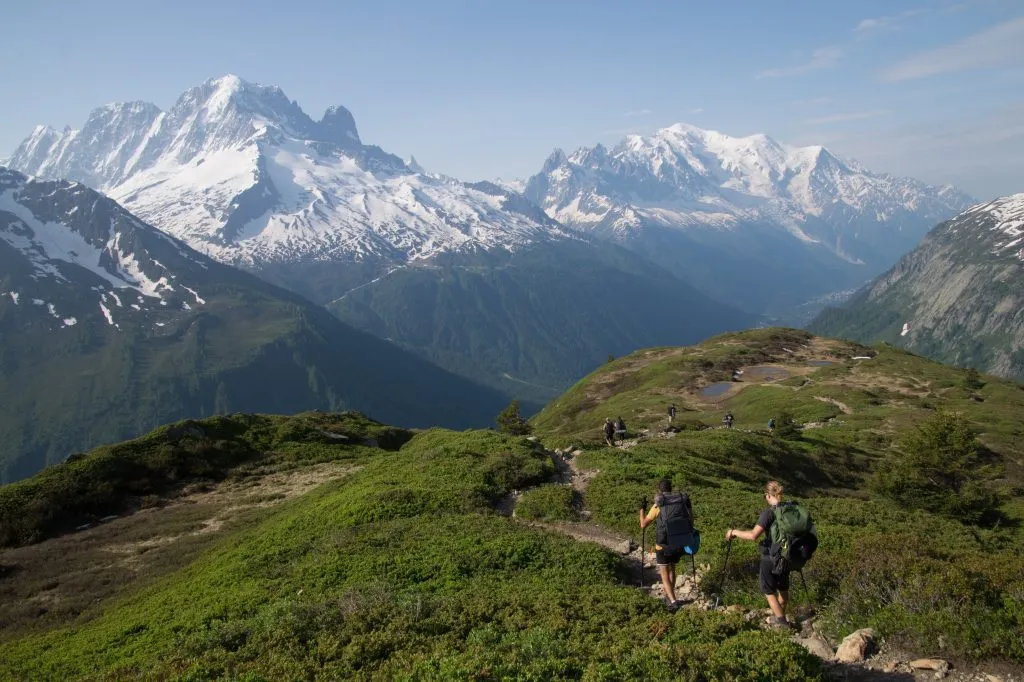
481	88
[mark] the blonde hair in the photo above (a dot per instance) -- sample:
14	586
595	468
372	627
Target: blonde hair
773	488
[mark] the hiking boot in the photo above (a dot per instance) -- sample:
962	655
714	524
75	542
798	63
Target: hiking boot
673	606
779	623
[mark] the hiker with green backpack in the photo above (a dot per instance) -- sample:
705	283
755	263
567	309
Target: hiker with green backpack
788	538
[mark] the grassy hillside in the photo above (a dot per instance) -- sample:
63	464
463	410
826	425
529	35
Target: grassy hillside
401	570
401	564
913	575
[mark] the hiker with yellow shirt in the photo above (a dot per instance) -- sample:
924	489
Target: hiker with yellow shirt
675	535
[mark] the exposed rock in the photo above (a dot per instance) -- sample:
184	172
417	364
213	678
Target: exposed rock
577	453
856	646
817	646
625	547
735	608
940	666
993	678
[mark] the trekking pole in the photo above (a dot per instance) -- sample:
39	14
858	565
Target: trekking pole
643	542
717	594
807	595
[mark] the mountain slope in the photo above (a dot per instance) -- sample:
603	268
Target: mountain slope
958	297
725	211
241	173
533	321
110	327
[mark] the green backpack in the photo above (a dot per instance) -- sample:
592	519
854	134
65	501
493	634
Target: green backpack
793	537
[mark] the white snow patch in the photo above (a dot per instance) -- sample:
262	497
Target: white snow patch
14	296
906	329
38	301
70	322
185	306
199	300
53	310
106	314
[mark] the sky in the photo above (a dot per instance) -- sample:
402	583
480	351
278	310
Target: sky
480	89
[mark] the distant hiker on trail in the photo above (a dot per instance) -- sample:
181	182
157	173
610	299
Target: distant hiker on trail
771	425
609	432
727	420
671	413
787	539
675	534
620	429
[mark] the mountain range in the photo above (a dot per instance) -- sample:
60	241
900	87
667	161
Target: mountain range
471	276
759	224
109	327
956	298
660	240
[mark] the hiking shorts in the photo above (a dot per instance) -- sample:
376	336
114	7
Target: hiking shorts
772	582
669	556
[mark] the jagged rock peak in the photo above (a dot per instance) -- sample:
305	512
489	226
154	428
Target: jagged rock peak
339	125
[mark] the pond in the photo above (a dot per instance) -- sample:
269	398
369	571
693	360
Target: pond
715	390
766	372
820	363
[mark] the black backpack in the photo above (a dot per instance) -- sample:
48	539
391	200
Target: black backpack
674	524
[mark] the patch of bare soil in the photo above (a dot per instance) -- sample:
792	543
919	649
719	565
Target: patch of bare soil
842	406
64	579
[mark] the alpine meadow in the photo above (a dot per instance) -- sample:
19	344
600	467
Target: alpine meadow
688	346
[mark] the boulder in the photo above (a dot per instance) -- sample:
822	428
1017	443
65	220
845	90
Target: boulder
817	646
940	666
856	646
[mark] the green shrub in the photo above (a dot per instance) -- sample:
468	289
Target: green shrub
553	502
938	467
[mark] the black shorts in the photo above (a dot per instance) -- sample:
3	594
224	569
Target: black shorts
669	556
772	582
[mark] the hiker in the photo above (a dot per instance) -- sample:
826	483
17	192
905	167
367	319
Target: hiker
675	534
774	578
771	425
727	420
671	413
609	432
620	429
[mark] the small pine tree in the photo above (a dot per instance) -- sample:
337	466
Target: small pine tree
611	358
511	421
973	380
786	427
938	468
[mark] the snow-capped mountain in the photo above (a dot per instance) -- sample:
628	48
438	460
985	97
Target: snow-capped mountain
957	297
78	255
109	327
472	276
737	194
240	172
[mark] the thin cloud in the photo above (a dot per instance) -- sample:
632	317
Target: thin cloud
822	58
871	26
1001	45
698	110
812	102
638	112
842	118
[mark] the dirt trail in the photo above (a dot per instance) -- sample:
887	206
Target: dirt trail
842	406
